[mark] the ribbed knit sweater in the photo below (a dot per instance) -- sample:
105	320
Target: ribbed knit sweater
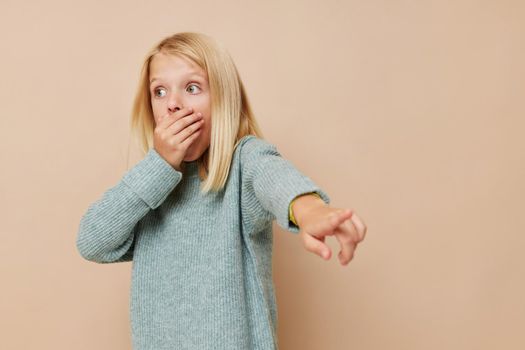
201	264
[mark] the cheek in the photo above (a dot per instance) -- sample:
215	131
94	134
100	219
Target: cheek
155	110
207	127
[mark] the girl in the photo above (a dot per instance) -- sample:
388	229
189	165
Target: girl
195	214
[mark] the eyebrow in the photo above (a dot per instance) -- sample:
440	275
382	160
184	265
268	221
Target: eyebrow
192	75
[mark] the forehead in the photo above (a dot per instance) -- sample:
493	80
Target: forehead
172	66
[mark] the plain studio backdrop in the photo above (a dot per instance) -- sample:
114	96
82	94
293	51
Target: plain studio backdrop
409	112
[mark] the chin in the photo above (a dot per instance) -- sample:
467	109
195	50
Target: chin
191	156
194	152
187	158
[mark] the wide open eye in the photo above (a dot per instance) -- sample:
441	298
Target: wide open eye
156	90
194	85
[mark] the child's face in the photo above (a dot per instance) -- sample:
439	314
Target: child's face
181	83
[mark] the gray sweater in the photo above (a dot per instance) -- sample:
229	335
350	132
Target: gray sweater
201	264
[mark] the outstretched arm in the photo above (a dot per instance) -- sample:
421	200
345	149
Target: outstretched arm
270	183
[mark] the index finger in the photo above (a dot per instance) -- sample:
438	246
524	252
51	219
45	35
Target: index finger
167	119
360	226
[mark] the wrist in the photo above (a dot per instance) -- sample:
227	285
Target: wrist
177	167
302	204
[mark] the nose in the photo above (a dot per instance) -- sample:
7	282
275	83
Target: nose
174	109
174	105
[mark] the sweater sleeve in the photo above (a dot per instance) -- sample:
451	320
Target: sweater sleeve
107	230
273	182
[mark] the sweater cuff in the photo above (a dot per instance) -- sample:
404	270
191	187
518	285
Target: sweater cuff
152	178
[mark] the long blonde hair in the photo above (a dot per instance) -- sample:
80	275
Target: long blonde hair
231	115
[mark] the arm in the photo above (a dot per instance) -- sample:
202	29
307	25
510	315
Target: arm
107	229
274	183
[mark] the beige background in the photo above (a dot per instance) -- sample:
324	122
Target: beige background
409	112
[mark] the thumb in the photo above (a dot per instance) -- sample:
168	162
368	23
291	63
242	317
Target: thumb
316	246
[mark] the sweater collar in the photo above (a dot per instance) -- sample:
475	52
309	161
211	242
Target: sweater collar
191	168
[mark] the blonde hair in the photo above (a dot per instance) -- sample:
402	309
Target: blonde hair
231	115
